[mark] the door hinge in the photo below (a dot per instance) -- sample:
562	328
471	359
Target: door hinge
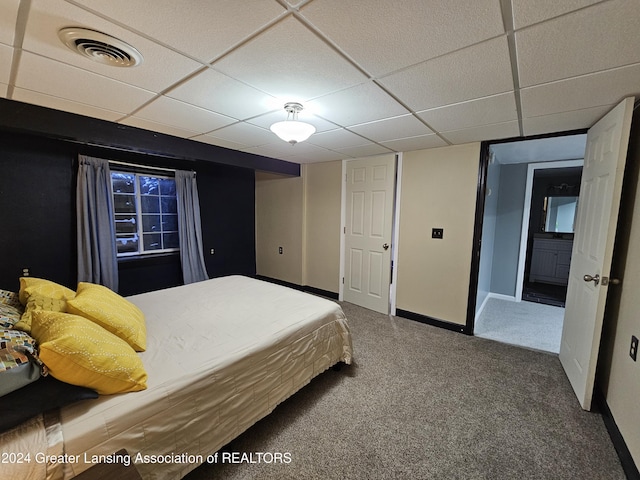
343	280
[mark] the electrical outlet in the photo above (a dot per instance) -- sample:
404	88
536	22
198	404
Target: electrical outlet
633	351
212	251
280	250
25	272
437	233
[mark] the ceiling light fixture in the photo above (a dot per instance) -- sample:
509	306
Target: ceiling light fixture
292	130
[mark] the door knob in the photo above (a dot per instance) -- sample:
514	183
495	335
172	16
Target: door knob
385	246
589	278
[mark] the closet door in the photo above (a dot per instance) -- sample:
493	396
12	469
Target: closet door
369	218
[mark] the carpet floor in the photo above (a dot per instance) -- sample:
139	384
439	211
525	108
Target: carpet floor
527	324
421	402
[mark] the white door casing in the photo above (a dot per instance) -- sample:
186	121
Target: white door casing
368	228
596	223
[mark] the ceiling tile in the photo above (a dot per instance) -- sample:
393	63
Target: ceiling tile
183	115
580	43
157	127
201	29
364	150
79	85
219	93
392	128
474	72
47	17
404	33
8	17
336	139
246	134
564	121
271	151
301	66
415	143
65	105
321	155
265	121
483	132
299	153
360	104
526	12
605	88
6	60
494	109
206	138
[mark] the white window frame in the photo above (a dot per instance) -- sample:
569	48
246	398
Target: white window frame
139	214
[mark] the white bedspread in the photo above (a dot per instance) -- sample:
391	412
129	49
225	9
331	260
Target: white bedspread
221	355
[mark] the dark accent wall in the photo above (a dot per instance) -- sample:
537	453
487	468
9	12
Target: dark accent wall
37	214
37	210
227	200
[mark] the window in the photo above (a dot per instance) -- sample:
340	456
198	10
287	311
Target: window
145	213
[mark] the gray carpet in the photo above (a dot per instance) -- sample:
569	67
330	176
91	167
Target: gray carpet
425	403
527	324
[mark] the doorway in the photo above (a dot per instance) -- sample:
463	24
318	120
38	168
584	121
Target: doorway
549	231
513	217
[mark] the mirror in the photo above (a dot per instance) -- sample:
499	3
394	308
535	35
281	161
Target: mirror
560	214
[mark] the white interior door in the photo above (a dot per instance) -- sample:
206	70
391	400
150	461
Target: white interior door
368	228
598	207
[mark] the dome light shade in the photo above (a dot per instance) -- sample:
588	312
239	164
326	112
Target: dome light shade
292	130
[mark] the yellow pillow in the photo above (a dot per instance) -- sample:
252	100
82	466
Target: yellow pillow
36	301
80	352
112	312
30	285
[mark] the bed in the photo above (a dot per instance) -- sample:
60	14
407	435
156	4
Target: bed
220	355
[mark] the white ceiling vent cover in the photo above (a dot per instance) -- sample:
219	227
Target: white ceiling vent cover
100	47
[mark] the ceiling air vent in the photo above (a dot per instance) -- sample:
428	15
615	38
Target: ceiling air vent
100	47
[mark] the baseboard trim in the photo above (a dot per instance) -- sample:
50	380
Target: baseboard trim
279	282
303	288
628	464
500	296
320	292
484	303
455	327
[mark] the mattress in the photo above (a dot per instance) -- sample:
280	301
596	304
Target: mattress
221	354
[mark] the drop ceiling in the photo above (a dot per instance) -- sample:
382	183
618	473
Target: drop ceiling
374	76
